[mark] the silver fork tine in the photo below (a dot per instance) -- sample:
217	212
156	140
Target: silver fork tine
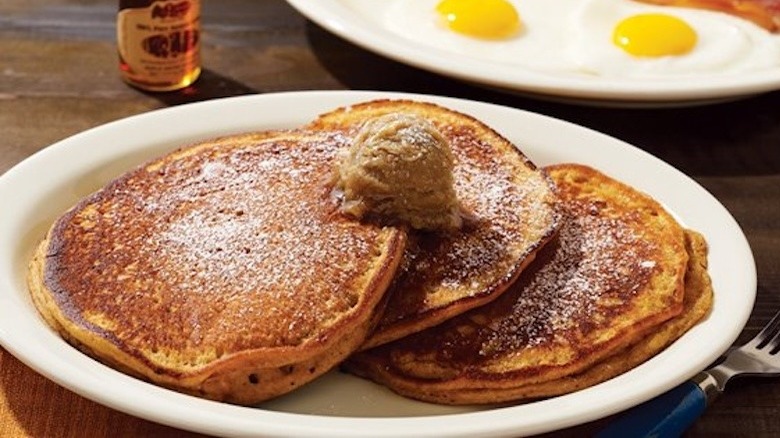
768	334
774	343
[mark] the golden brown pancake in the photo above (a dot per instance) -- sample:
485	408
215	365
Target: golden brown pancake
510	213
697	303
610	280
222	270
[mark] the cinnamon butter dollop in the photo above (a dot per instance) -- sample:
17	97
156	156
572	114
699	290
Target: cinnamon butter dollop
399	167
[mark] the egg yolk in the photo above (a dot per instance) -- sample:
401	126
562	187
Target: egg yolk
489	19
654	35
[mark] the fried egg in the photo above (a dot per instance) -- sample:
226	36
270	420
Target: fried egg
425	22
622	38
607	38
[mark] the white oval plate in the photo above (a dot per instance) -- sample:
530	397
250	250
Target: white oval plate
361	26
40	188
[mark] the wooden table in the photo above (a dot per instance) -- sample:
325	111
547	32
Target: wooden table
58	76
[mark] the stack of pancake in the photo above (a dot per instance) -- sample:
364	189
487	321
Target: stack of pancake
226	270
620	282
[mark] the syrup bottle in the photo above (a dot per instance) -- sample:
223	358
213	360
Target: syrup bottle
159	43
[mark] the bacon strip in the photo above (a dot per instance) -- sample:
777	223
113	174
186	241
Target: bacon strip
765	13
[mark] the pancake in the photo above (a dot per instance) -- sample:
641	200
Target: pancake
509	214
697	303
222	270
614	275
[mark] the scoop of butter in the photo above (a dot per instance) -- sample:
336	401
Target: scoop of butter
400	167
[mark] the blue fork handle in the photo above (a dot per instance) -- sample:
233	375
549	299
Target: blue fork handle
667	415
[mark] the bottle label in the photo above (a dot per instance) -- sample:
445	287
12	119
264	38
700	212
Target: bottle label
159	44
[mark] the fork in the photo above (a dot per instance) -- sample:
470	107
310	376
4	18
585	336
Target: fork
671	413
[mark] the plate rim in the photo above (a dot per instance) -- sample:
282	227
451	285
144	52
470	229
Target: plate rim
166	407
334	16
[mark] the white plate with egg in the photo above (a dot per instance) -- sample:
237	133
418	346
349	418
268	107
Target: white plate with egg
564	49
43	186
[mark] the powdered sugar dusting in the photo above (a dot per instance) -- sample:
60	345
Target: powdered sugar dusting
599	260
509	208
579	282
232	235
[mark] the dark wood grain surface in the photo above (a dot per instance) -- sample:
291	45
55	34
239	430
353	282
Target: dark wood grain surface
58	76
